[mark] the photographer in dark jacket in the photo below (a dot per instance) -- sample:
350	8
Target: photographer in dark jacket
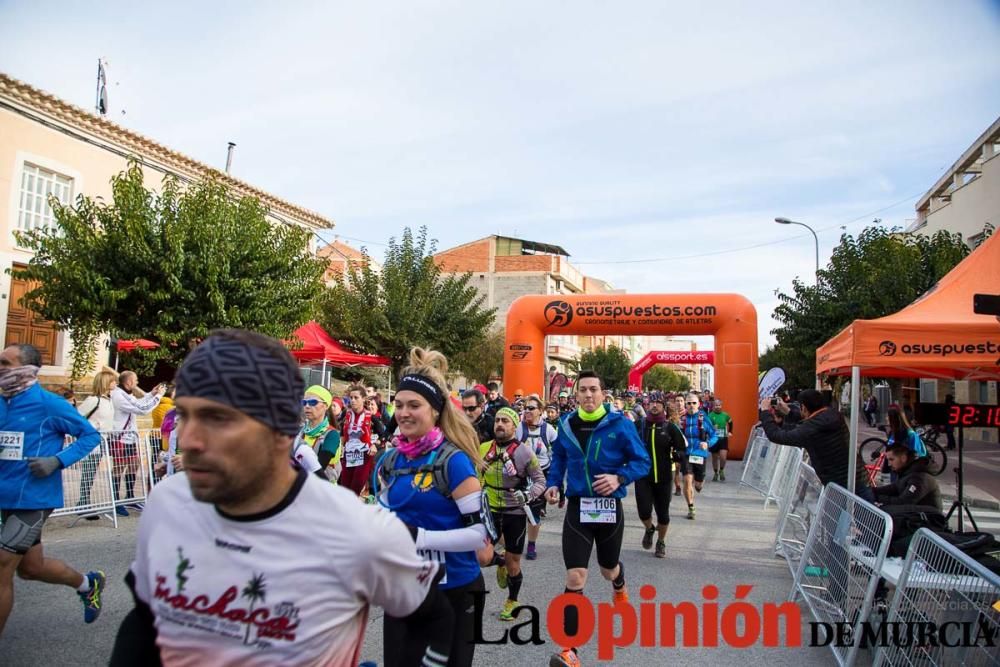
822	432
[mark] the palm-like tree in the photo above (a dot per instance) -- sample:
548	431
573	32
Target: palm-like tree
255	590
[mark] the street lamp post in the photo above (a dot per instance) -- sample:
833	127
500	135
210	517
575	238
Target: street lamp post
786	221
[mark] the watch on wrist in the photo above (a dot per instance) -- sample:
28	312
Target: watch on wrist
621	480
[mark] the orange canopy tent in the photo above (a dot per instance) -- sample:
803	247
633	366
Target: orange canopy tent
937	335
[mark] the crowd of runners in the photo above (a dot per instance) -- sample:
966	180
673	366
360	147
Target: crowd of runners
334	504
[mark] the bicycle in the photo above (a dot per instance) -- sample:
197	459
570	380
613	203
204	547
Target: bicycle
873	450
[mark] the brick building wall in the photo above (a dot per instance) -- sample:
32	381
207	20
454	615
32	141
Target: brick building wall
474	257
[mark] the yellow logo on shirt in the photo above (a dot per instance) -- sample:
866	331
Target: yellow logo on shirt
423	481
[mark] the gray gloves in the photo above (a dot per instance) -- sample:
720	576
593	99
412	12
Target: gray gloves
43	466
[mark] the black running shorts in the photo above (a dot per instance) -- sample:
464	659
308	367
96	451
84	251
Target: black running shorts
720	444
513	528
578	539
22	529
696	469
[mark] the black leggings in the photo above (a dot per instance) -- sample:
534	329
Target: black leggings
650	495
578	539
399	649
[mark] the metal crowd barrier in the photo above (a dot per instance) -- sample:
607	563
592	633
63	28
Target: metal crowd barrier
939	584
120	471
87	485
841	563
785	472
760	462
797	513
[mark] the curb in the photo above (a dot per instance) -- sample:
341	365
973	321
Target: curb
981	503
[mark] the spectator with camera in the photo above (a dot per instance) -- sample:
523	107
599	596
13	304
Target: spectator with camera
821	431
129	402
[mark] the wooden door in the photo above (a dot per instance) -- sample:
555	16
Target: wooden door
26	326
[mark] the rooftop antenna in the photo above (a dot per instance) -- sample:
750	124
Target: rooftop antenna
229	157
101	97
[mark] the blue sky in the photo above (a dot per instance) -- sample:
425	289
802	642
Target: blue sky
619	131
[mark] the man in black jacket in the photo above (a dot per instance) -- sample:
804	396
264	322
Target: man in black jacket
913	485
474	406
665	443
822	432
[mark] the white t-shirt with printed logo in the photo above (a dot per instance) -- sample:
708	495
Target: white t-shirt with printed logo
289	587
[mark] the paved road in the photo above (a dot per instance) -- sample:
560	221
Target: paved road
729	544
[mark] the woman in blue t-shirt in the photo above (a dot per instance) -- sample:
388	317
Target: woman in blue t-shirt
429	480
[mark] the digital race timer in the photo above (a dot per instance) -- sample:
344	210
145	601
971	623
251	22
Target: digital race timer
957	414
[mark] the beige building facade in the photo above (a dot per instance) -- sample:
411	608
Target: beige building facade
50	148
966	199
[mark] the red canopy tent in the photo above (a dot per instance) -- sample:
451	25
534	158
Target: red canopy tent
318	346
129	345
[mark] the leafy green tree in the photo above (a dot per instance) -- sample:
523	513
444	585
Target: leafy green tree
611	364
405	304
168	267
483	361
665	379
873	275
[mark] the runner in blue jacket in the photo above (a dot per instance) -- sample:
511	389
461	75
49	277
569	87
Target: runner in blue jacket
597	453
34	424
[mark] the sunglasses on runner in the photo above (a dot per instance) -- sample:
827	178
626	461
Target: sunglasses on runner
470	408
311	402
692	402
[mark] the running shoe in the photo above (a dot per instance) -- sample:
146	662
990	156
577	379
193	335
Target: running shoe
502	576
715	477
722	475
621	595
567	658
677	491
92	598
691	512
507	613
121	511
661	549
647	539
531	553
138	506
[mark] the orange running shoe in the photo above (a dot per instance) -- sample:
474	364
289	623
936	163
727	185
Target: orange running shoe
621	595
566	658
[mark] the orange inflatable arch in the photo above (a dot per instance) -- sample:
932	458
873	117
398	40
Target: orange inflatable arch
731	318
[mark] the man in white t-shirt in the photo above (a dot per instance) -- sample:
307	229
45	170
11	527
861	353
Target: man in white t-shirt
245	559
124	444
538	435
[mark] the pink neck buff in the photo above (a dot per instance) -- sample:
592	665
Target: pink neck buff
414	448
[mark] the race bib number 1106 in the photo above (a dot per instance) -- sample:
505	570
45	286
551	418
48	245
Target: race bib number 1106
598	510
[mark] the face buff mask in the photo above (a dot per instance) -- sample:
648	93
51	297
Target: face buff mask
594	416
15	380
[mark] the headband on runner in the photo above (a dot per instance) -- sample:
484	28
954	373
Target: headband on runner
424	386
246	378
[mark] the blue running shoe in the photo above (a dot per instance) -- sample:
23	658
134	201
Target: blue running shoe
121	511
92	598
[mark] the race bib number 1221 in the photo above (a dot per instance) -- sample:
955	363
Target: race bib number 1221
11	445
